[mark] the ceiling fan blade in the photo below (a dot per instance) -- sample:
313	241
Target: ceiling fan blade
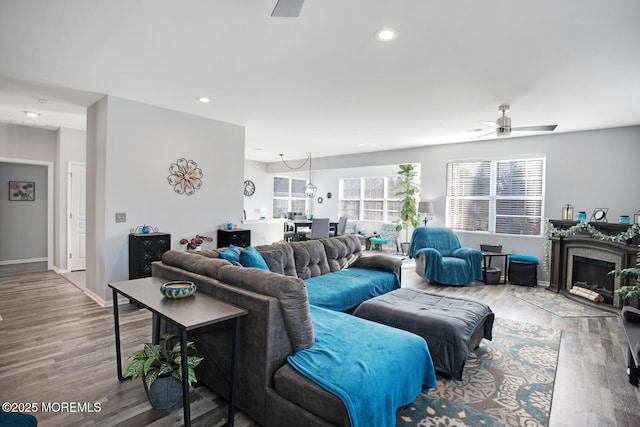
287	8
492	124
483	135
544	128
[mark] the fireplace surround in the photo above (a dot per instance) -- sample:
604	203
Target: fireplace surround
570	252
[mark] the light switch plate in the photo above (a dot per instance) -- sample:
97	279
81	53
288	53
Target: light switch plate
121	217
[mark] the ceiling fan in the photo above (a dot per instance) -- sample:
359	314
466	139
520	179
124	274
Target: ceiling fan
503	127
287	8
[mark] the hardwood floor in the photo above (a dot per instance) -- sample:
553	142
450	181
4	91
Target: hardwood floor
57	345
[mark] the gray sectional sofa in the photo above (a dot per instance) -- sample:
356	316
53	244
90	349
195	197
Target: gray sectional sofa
280	327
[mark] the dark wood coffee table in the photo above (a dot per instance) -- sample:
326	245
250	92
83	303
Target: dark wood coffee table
188	314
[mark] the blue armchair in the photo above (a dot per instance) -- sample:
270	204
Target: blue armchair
440	258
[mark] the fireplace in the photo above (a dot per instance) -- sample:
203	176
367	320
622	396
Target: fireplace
580	257
593	274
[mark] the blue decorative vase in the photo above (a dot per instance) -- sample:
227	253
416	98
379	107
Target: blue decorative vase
582	216
145	229
165	392
624	219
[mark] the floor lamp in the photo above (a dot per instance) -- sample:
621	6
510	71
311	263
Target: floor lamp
426	208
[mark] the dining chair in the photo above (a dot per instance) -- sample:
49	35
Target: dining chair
341	227
319	228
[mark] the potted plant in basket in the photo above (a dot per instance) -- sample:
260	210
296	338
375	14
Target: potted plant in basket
408	190
629	291
161	370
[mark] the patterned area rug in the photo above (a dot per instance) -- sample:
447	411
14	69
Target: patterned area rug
506	382
558	304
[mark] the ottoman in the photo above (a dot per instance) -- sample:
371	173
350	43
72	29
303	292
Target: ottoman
451	326
523	270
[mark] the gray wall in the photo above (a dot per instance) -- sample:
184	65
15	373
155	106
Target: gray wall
23	228
130	147
20	145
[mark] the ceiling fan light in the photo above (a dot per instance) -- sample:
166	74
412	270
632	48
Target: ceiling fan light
386	34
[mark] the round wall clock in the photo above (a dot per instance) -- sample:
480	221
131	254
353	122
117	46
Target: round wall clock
249	188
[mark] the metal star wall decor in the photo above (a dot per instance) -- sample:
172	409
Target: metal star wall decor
186	176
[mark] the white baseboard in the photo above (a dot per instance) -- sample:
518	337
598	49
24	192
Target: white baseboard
100	301
23	261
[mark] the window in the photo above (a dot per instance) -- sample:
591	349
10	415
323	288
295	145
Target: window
501	196
369	199
288	196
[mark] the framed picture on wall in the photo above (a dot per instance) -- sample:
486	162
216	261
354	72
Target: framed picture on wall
22	191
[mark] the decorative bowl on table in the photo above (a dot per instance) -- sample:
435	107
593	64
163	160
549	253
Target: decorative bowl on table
178	289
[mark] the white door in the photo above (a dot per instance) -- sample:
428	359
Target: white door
77	217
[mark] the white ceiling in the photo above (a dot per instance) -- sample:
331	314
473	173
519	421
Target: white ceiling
322	83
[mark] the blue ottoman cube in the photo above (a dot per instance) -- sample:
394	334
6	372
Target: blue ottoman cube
523	270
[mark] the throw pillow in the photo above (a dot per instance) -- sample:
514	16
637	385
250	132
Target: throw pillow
275	260
232	254
250	257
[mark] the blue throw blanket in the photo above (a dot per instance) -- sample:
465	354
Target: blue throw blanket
442	239
345	289
444	260
383	369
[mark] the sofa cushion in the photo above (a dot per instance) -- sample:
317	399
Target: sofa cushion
250	257
288	261
291	293
310	258
274	260
194	262
345	289
231	254
342	251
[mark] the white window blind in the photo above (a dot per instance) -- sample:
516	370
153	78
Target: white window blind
502	197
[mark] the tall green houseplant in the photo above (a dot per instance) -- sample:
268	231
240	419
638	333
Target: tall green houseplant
408	190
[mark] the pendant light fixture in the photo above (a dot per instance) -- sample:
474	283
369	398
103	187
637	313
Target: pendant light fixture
309	189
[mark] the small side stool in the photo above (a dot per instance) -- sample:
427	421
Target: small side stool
523	270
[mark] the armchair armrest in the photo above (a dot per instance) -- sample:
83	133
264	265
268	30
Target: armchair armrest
469	254
473	257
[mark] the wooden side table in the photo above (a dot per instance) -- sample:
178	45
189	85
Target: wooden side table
188	314
488	256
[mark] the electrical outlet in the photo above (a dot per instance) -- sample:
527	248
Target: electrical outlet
121	217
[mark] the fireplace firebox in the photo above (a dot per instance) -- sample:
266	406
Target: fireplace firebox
593	274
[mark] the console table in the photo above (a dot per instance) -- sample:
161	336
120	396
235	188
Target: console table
188	314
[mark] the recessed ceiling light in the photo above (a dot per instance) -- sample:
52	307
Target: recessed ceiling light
203	99
31	113
386	34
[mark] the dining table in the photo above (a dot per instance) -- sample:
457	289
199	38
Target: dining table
307	224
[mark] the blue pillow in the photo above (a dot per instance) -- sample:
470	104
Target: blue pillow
250	257
231	254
